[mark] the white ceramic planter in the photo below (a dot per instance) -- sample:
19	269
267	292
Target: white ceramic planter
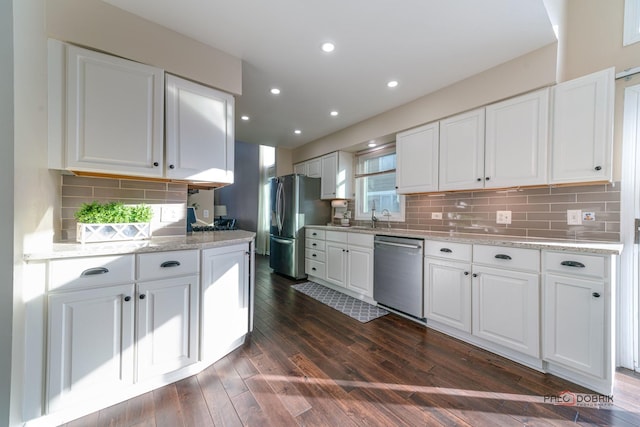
90	233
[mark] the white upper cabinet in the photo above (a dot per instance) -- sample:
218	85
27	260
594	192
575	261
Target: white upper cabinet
417	159
516	141
462	151
199	126
111	112
582	129
337	176
311	168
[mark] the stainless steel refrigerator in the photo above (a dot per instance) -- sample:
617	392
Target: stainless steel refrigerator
295	202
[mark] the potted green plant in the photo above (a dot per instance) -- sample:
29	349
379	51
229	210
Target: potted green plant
113	221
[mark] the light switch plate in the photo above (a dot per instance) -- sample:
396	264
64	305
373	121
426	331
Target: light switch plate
574	217
205	213
503	217
436	215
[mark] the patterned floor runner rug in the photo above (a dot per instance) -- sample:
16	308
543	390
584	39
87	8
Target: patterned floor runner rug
359	310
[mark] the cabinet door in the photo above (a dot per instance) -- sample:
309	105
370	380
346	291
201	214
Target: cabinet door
336	263
314	168
329	168
200	141
462	151
167	334
114	115
225	299
447	296
582	129
360	272
300	168
574	323
516	141
90	344
417	159
505	308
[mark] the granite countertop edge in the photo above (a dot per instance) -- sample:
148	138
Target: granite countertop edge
592	247
155	244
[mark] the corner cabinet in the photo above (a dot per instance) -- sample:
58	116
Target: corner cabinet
582	129
417	159
200	133
337	176
106	113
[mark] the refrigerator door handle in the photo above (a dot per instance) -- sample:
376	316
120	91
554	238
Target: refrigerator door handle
284	242
278	205
283	210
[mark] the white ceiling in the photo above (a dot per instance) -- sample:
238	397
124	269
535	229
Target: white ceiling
424	44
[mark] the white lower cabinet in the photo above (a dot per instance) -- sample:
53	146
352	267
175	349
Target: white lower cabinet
225	299
349	261
447	296
91	344
167	320
576	322
506	308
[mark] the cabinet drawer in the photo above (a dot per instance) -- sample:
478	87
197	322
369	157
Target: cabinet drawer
90	271
449	250
574	264
318	245
506	257
314	268
314	255
159	265
337	236
360	239
312	233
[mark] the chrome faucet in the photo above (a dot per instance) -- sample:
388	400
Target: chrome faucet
374	219
385	212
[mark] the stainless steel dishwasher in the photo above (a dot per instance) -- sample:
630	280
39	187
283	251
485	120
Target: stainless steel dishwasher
398	272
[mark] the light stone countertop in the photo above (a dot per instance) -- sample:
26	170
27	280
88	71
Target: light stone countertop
593	247
200	240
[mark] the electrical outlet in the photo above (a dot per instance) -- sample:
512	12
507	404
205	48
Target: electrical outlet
574	217
169	214
205	213
503	217
436	215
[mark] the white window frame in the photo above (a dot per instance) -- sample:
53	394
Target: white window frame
631	32
360	214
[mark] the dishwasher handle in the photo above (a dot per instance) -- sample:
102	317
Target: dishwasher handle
399	245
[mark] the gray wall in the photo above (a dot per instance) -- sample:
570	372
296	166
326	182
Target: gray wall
6	208
241	197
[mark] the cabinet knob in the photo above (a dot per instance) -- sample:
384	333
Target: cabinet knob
172	167
466	273
479	179
156	164
487	178
596	295
314	244
598	168
474	275
313	268
314	255
127	298
247	253
142	296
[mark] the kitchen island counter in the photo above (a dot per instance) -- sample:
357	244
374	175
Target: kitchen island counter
203	240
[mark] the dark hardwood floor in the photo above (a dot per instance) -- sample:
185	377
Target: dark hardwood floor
306	364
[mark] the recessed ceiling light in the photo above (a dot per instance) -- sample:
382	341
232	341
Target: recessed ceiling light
371	144
275	91
297	131
328	47
392	83
245	118
334	113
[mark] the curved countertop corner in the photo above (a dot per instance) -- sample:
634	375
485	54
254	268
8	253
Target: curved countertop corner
203	240
593	247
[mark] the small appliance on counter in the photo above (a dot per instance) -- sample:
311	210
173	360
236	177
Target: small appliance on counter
295	202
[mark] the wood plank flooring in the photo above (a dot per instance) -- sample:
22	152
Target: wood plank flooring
305	364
